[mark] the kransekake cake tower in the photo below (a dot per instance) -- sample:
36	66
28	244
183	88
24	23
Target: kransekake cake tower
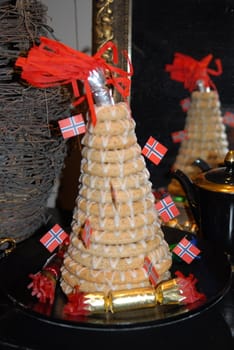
116	231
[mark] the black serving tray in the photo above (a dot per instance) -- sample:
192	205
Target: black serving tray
212	270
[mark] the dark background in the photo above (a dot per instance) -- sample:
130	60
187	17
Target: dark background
160	29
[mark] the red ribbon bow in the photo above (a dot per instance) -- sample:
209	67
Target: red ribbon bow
52	63
189	71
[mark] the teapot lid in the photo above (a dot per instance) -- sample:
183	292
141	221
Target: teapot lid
219	179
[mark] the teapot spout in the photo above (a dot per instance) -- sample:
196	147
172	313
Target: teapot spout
190	192
202	164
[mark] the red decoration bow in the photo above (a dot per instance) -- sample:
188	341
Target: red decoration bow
187	287
43	283
52	63
189	71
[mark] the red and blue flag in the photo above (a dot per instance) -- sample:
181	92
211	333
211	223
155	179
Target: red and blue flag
186	250
179	136
185	104
154	150
166	208
228	119
72	126
86	233
53	238
151	271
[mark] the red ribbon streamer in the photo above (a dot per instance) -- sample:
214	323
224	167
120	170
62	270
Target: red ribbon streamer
52	63
189	71
43	283
188	288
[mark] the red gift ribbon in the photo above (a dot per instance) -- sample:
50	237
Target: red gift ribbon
189	71
52	63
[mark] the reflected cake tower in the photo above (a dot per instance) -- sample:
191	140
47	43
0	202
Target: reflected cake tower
206	136
115	201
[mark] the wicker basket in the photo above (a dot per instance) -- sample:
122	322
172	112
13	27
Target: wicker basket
32	150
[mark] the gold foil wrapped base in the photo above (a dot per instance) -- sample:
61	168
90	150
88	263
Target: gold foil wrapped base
179	290
132	299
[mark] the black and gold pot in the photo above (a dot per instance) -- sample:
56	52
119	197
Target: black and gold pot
7	245
211	200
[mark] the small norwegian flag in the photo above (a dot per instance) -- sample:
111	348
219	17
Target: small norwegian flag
72	126
179	136
166	208
185	104
186	250
228	119
53	238
154	150
86	233
151	271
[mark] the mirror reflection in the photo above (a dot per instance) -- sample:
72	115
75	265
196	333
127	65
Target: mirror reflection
194	28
